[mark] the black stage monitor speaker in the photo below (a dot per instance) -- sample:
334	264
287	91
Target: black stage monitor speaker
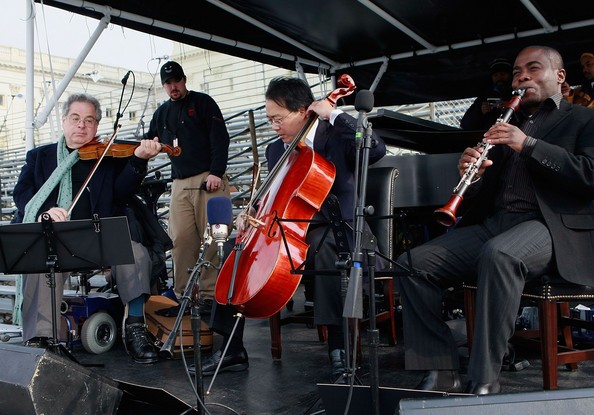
570	401
145	400
36	381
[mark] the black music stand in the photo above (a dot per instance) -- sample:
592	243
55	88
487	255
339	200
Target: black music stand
50	247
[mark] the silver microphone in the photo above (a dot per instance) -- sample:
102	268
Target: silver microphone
219	212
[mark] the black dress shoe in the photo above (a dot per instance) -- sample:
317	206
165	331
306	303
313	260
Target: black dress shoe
138	345
441	380
40	342
231	363
482	388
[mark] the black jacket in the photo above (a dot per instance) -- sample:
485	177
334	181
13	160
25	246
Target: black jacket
562	170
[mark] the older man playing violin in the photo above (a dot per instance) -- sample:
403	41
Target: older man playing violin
52	174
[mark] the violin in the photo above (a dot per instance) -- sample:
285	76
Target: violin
96	150
118	149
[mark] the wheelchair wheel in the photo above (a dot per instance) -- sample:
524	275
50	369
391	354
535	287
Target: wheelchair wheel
99	333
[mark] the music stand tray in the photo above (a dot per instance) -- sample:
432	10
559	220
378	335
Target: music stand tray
79	245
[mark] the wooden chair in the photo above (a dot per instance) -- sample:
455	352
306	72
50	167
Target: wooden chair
381	194
554	336
385	315
276	322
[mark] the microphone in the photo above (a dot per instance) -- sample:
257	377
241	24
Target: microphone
125	78
363	104
220	215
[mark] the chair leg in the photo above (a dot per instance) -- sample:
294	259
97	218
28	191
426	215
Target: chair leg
322	333
566	332
387	315
389	294
276	348
469	306
548	334
276	322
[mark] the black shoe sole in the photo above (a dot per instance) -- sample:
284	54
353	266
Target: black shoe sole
238	367
146	361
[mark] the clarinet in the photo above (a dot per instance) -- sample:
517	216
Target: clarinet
446	215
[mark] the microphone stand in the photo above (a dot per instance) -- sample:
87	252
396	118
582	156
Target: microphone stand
140	126
353	305
191	294
119	114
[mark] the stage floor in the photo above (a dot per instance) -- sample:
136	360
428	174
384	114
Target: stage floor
290	385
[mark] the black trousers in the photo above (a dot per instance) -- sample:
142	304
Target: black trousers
499	255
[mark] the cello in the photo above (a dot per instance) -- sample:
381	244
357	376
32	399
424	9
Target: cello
258	276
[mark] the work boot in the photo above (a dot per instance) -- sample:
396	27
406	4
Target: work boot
138	345
338	363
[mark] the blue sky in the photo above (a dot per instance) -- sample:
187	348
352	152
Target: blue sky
66	33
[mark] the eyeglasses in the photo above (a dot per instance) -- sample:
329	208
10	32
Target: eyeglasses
74	119
277	122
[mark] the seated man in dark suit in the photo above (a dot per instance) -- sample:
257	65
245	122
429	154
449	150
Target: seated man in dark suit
531	213
52	175
289	103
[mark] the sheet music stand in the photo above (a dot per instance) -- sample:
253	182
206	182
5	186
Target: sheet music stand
49	247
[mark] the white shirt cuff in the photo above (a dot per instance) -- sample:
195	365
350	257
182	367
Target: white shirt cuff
335	113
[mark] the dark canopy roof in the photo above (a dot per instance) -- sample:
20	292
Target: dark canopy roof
435	49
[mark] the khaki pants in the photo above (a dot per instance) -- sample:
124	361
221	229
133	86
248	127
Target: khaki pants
187	223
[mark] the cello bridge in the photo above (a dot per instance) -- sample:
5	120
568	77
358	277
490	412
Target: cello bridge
251	221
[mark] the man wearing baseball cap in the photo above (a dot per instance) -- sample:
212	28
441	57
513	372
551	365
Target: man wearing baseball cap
194	122
486	108
171	70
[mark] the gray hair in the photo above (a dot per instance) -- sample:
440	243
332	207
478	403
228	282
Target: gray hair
82	98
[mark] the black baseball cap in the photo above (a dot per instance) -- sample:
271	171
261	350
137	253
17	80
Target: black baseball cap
500	65
171	70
